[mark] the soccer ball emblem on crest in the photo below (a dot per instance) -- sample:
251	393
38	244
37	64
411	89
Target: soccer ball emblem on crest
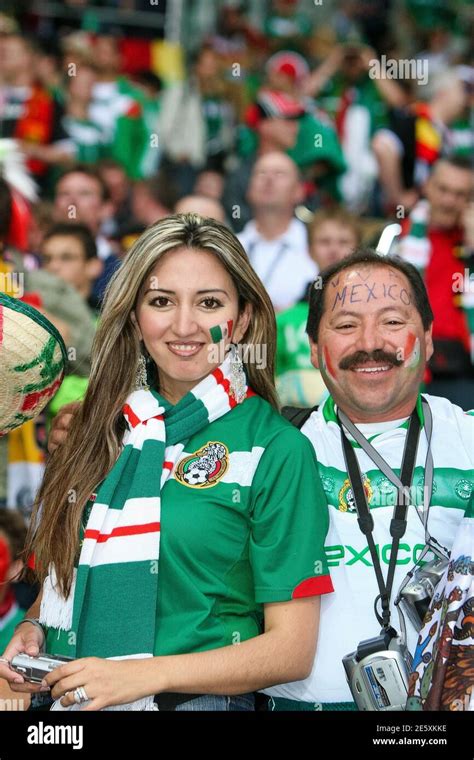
205	467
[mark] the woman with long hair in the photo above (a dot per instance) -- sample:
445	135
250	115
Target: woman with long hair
178	533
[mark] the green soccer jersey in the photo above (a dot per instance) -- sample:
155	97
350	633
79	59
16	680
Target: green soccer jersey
88	139
250	533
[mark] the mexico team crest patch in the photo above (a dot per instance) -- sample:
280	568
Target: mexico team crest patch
346	496
205	467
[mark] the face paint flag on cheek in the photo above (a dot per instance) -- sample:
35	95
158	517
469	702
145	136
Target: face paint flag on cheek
327	365
412	352
222	331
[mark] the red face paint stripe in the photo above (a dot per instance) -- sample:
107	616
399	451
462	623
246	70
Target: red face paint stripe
128	530
329	366
411	340
321	584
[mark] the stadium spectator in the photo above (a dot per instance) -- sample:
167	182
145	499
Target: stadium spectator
275	240
417	137
438	238
152	199
27	110
197	121
202	205
88	137
333	234
68	250
81	195
117	109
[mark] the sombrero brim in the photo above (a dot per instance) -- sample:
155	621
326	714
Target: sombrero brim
32	362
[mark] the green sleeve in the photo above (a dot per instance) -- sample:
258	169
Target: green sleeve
130	143
247	141
289	522
317	142
73	388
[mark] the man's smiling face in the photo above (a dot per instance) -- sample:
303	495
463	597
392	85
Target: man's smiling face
371	346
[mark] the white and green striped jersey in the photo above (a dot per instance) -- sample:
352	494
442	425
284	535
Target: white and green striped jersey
347	615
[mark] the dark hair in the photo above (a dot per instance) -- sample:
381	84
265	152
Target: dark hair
160	188
459	162
13	526
5	209
109	163
148	79
366	256
78	231
89	171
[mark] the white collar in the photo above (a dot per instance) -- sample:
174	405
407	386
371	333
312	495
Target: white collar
255	236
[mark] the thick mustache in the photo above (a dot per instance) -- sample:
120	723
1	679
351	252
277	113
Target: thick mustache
362	357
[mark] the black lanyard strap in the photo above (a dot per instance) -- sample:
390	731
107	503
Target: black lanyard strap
365	519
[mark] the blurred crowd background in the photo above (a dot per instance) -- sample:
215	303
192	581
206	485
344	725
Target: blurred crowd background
309	128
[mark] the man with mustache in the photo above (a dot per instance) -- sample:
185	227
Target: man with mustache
369	328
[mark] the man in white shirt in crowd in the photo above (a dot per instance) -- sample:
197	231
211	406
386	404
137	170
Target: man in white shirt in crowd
276	241
370	333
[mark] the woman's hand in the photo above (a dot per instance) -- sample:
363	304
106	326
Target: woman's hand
61	425
106	682
28	640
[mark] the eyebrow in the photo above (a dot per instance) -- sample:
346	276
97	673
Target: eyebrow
346	313
198	292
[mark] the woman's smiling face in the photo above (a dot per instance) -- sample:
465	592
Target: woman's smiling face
187	292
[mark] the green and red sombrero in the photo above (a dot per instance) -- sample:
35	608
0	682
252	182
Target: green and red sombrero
33	360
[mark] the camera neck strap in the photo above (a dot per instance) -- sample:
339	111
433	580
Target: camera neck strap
402	483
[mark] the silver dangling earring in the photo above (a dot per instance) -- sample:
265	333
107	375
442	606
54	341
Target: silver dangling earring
238	381
141	380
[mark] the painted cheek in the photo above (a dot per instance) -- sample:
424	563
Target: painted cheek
412	351
327	363
221	331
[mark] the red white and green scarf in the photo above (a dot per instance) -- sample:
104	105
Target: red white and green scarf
111	611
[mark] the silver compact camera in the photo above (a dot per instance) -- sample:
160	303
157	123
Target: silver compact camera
34	669
377	672
416	595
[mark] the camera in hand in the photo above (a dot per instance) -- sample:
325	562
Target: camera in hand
416	596
377	672
34	669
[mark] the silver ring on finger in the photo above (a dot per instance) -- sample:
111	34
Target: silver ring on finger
80	695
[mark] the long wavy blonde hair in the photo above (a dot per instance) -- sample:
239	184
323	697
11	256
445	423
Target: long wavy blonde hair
93	443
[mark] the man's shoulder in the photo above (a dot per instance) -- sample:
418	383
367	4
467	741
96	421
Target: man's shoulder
443	409
248	233
297	227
